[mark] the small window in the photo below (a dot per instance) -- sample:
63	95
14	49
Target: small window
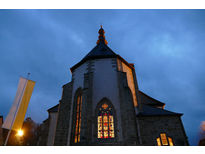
170	141
164	141
158	141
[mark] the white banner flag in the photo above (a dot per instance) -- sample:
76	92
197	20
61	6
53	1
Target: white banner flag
15	118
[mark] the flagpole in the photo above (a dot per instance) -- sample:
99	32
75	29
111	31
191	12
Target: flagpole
7	138
28	75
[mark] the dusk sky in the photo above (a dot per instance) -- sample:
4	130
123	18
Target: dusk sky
166	46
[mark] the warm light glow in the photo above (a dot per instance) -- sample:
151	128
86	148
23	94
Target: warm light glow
163	140
170	141
105	122
20	133
78	119
158	141
203	126
104	106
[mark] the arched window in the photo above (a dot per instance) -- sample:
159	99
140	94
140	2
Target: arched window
163	140
77	117
105	121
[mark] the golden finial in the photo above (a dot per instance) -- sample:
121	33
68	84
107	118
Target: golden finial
101	37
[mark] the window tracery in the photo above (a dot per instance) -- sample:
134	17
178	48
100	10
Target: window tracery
105	122
163	140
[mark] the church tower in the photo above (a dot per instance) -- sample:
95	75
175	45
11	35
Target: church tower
102	104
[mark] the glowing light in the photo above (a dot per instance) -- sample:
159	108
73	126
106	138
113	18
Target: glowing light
20	133
170	141
105	122
203	126
164	139
158	141
104	106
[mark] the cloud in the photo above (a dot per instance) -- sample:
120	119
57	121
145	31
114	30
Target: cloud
166	47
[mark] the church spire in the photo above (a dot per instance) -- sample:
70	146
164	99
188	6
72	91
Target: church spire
101	37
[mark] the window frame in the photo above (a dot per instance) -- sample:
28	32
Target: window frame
167	139
99	105
78	94
106	114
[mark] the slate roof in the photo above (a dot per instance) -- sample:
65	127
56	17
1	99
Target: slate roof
147	100
45	120
153	111
54	108
101	50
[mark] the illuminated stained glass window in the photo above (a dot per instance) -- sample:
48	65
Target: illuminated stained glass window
104	106
78	119
163	140
170	141
105	122
158	141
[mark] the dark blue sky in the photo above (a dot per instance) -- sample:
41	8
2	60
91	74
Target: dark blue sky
166	46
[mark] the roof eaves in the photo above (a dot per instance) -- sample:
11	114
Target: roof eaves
92	57
152	111
150	115
53	109
130	65
157	101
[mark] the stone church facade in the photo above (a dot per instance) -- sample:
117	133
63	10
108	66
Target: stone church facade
102	105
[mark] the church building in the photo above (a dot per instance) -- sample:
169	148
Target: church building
102	105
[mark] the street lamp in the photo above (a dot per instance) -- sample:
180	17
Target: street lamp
20	133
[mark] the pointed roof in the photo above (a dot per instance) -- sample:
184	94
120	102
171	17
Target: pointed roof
54	108
153	111
100	51
147	100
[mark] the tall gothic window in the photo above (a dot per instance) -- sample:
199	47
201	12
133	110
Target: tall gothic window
164	140
78	118
105	121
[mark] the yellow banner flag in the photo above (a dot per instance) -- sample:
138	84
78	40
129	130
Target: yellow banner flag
15	118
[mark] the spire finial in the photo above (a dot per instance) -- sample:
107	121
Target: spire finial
101	37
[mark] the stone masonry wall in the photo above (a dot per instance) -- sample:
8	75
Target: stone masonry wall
43	133
63	116
151	127
129	126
